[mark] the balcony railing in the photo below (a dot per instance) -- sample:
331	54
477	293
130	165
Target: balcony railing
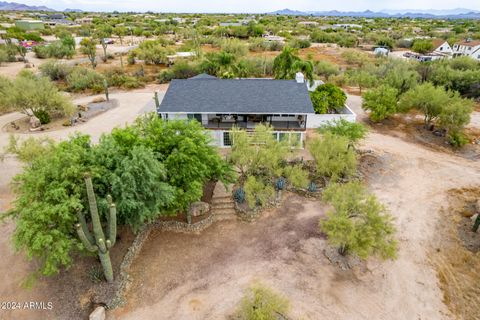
276	125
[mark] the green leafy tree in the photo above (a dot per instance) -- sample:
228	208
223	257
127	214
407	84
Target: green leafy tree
258	153
102	33
186	152
328	98
88	47
363	79
326	69
37	96
287	64
333	157
381	102
426	98
422	46
261	303
354	131
358	223
120	32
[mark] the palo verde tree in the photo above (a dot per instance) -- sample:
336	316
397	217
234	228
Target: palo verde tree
34	95
102	33
333	157
358	223
89	48
354	131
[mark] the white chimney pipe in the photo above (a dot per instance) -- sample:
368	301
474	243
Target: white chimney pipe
299	77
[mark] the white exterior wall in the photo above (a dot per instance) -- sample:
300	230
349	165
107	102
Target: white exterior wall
317	120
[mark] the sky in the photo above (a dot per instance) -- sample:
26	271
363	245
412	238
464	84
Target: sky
254	6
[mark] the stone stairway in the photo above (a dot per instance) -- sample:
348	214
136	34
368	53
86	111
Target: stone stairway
223	206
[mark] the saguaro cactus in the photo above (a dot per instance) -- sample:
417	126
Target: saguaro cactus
105	86
98	242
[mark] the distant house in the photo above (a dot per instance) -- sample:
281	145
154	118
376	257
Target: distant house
441	47
28	25
222	104
308	23
230	24
84	20
467	48
381	51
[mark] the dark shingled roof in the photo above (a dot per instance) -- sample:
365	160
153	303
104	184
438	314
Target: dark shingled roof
209	95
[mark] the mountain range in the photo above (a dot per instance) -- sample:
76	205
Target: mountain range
13	6
459	13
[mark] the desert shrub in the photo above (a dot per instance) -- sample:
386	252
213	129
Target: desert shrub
118	78
381	102
56	50
299	43
354	131
257	193
422	46
326	69
180	70
297	176
234	46
457	139
260	44
333	157
358	223
261	303
55	70
81	79
42	115
153	51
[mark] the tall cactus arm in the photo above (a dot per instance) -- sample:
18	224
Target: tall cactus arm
81	234
112	225
102	247
83	224
97	227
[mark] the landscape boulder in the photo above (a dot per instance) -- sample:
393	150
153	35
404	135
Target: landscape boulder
198	208
35	122
97	314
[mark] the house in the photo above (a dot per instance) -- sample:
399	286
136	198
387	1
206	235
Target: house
28	25
308	23
469	48
381	51
222	104
442	47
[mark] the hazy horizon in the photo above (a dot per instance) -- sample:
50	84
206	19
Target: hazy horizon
251	6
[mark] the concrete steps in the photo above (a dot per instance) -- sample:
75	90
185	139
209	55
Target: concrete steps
223	205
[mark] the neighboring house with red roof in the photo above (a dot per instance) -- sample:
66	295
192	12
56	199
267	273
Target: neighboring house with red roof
469	48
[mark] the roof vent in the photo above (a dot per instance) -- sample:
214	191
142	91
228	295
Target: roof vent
299	77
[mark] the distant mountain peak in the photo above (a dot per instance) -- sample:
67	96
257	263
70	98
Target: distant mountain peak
458	13
14	6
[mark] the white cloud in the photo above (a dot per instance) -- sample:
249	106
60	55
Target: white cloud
251	5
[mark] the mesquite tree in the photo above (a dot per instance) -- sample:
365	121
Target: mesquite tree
98	242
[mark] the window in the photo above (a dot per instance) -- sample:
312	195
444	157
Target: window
196	116
282	136
296	139
227	142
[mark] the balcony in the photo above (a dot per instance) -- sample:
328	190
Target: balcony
249	122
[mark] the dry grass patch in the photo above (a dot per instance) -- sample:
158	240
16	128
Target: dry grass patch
457	259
